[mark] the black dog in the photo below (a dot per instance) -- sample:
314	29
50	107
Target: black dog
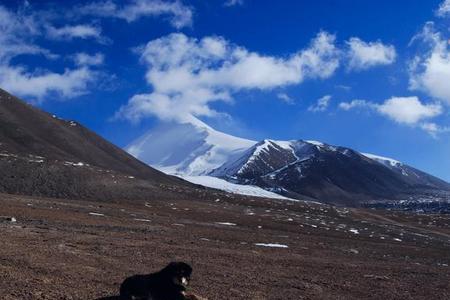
168	284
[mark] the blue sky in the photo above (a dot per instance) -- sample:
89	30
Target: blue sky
370	75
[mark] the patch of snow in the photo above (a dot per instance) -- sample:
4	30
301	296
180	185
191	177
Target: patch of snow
284	144
96	214
36	160
224	185
383	160
316	143
354	231
271	245
78	164
7	155
226	223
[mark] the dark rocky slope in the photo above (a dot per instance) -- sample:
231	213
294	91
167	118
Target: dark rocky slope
43	155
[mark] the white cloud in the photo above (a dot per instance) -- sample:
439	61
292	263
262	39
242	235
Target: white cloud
430	71
354	104
18	31
84	59
408	110
234	2
81	31
179	14
363	55
187	74
285	98
321	105
69	84
433	129
403	110
444	9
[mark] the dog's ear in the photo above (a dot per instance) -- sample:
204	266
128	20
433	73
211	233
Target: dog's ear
179	267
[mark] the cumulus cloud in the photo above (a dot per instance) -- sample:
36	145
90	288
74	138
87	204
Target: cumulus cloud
178	14
321	105
187	74
430	71
444	9
408	110
363	55
285	98
81	31
403	110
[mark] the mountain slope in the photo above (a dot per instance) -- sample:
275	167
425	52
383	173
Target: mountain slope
43	155
327	173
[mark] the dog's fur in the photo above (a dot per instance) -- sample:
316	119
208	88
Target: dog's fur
168	284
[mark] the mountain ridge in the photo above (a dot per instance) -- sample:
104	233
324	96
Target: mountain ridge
316	171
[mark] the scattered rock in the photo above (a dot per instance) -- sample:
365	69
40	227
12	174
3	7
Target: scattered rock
8	219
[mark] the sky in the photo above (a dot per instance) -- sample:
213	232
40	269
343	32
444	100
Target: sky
372	75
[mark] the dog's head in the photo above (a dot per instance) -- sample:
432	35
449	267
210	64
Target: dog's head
179	272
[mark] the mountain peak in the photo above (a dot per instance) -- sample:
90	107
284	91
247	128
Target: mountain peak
187	148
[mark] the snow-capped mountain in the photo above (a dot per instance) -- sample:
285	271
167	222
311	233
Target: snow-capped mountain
296	169
191	148
331	174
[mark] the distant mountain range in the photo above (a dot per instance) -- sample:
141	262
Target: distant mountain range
296	169
43	155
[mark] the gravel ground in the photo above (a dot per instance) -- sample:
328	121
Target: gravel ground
240	248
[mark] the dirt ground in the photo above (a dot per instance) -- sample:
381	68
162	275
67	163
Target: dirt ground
239	249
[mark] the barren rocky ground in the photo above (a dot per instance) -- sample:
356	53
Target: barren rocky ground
66	249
